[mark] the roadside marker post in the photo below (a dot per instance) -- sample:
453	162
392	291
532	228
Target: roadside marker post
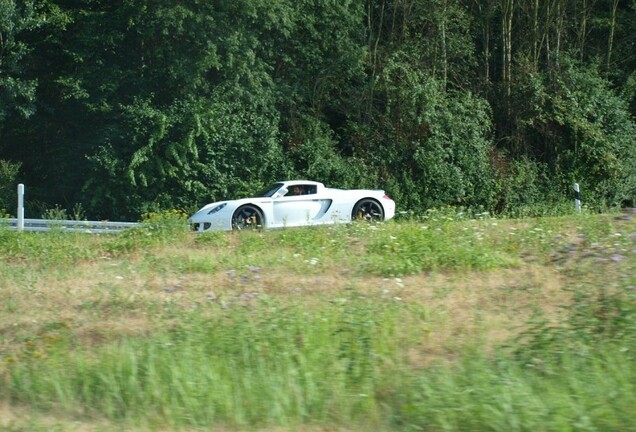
577	197
20	226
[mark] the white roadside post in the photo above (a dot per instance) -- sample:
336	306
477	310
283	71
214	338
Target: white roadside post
20	207
577	197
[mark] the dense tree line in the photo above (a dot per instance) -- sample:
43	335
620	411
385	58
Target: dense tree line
126	106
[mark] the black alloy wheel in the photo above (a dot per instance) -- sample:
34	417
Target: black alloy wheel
247	217
368	210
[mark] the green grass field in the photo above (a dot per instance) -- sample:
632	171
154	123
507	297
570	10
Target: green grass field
439	323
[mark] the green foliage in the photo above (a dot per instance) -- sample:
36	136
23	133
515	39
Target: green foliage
435	37
129	108
287	363
436	243
8	187
438	151
255	353
56	214
321	60
17	92
158	228
64	249
315	156
503	395
193	153
525	189
602	314
585	131
51	249
212	238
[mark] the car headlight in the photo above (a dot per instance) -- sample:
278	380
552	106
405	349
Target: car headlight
217	208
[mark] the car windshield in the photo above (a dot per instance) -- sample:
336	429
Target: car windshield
270	191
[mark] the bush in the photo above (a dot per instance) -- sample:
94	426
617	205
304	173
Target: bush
526	189
581	131
8	173
434	144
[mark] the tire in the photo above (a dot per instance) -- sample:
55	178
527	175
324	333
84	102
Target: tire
368	210
247	217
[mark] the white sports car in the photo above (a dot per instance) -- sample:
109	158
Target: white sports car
294	203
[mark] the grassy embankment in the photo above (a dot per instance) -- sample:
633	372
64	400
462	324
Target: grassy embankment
443	323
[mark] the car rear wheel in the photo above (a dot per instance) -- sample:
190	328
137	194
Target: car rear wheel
368	209
247	217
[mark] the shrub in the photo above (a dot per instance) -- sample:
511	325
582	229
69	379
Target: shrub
8	173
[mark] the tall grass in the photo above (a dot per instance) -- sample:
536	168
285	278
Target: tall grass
244	354
596	392
266	365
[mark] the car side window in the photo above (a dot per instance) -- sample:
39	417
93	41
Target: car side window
302	190
295	191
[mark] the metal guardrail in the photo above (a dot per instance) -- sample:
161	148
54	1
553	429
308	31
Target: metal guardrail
95	227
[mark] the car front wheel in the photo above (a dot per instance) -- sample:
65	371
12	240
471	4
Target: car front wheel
368	210
247	217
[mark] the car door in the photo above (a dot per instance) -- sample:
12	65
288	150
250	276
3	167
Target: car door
297	209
